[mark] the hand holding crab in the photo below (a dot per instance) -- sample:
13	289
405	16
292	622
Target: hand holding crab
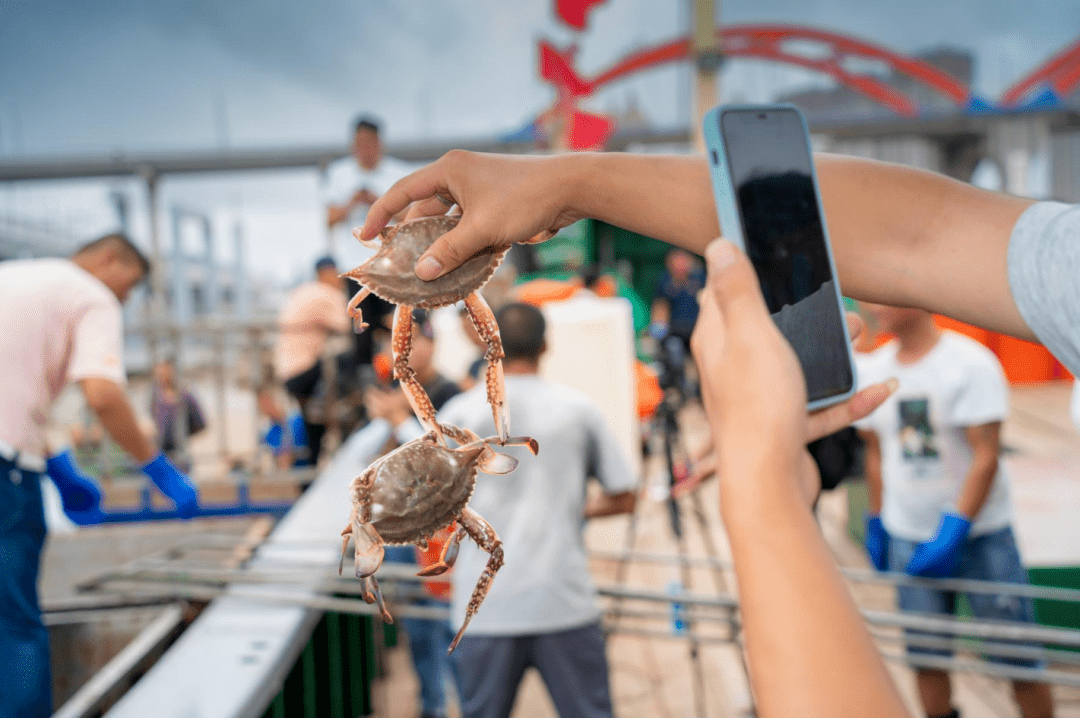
389	274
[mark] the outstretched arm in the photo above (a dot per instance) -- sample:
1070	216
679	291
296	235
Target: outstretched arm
900	236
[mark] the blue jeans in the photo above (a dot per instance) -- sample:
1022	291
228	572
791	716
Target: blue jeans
989	557
25	676
428	643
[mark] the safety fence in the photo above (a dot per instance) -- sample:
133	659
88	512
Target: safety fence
339	658
278	627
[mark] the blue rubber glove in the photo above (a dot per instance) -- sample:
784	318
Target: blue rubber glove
78	492
173	484
939	557
877	542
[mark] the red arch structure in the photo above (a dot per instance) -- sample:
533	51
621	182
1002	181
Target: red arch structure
1058	75
831	54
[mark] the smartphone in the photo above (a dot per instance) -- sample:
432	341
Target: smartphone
768	203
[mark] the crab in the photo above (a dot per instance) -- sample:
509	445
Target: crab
416	490
389	274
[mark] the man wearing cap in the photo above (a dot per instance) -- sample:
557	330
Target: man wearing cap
62	324
312	313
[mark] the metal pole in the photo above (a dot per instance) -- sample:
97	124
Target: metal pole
212	291
180	315
157	269
706	63
323	179
240	285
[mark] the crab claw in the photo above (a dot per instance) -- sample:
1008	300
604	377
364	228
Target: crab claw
369	549
498	464
448	557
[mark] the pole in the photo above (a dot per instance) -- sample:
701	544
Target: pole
156	307
212	287
240	286
706	63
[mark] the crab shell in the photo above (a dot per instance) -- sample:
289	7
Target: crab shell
389	273
420	488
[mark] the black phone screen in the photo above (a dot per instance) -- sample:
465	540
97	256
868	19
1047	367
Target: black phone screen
769	161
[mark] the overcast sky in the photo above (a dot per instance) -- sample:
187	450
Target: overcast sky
140	75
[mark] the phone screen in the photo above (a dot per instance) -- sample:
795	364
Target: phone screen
776	196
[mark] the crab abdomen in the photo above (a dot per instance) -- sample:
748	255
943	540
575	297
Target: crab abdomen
389	273
419	491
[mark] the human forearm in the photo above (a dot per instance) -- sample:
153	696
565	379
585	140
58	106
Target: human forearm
872	462
977	485
900	236
985	441
664	197
911	238
610	504
107	399
796	609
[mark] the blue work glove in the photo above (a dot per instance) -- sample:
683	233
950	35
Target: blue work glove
173	484
78	492
877	542
939	557
658	330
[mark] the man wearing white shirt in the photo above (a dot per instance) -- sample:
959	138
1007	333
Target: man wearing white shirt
939	498
350	186
62	324
542	610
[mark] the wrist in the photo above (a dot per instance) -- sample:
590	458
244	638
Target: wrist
154	462
572	174
770	485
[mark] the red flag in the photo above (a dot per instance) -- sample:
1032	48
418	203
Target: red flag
573	12
556	68
588	131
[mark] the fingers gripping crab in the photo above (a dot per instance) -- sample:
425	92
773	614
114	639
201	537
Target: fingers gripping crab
389	274
411	493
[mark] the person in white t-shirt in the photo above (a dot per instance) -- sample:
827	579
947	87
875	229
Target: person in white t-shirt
351	185
939	497
62	323
542	610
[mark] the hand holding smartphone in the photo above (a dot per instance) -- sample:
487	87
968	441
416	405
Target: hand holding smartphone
768	203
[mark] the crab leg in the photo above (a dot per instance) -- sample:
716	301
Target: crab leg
488	329
485	536
372	594
354	309
461	436
401	342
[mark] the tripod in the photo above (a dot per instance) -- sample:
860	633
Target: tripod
677	391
